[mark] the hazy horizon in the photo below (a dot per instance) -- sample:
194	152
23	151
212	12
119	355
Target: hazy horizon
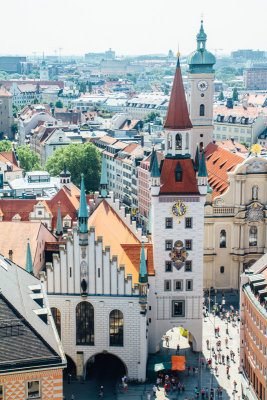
145	27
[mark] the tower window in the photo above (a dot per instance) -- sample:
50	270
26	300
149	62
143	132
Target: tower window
178	142
253	236
178	308
222	270
168	266
223	239
188	222
178	173
202	110
168	244
189	284
168	223
188	244
188	266
178	284
167	285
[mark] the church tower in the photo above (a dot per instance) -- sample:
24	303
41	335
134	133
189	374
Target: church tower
200	92
178	189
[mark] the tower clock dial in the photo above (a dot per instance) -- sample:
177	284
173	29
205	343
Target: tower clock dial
178	209
202	86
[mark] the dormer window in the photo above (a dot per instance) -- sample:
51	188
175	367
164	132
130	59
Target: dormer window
178	173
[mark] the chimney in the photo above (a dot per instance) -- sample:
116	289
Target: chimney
10	255
229	103
233	140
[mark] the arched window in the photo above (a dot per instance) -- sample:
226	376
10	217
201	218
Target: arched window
255	192
222	270
178	142
202	110
85	324
57	319
116	328
253	236
223	239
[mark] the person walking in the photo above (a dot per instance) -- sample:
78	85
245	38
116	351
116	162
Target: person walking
208	344
215	356
216	370
235	384
148	396
183	387
154	390
228	359
167	341
226	343
101	391
219	358
158	382
188	369
223	358
177	349
72	397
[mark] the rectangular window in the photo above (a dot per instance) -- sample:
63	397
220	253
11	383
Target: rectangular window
189	284
168	244
167	285
188	265
188	244
188	222
2	392
178	284
168	223
178	308
168	266
33	390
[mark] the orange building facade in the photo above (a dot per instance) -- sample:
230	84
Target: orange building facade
44	384
253	334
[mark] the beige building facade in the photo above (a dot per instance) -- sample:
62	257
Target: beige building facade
235	225
6	113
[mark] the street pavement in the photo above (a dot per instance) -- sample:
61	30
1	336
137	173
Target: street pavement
205	377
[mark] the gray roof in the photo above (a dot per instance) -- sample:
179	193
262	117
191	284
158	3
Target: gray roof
26	339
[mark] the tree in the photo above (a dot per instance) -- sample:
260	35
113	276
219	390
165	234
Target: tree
221	96
29	160
35	101
150	117
235	94
5	145
15	110
51	104
78	158
83	87
14	128
59	104
90	87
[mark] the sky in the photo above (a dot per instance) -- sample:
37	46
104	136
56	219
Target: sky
130	27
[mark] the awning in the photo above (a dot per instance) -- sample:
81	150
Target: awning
161	366
178	363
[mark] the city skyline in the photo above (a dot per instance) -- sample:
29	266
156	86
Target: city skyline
147	28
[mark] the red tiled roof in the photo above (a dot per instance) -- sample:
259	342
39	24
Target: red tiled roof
11	207
168	181
177	116
131	147
238	111
218	162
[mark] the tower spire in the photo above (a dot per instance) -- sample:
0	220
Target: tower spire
155	173
177	116
83	213
59	229
197	159
29	266
104	179
202	168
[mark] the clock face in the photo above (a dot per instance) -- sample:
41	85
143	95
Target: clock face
202	86
178	209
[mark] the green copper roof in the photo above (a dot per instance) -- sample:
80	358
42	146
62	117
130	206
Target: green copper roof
59	229
29	266
149	221
152	159
202	168
201	60
209	189
83	213
143	268
197	160
155	167
178	168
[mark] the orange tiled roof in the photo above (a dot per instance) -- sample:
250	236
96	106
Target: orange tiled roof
131	147
219	162
229	144
108	139
238	111
121	240
177	116
168	181
9	156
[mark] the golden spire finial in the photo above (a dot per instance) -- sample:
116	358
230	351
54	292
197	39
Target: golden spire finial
178	52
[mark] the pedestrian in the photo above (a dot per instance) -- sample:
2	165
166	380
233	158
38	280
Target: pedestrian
215	356
148	396
72	397
155	390
212	351
183	387
202	361
202	393
227	359
167	341
177	349
216	370
208	342
219	358
215	332
165	388
123	379
101	391
158	382
235	384
233	355
188	369
218	332
226	343
223	359
69	377
207	392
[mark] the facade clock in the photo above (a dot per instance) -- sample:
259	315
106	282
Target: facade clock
178	209
202	86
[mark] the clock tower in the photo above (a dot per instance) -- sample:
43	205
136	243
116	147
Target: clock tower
200	92
178	189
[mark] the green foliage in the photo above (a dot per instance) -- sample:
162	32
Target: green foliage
90	87
235	94
14	128
246	144
83	87
51	104
166	90
150	117
15	109
59	104
221	96
5	145
35	101
29	160
78	158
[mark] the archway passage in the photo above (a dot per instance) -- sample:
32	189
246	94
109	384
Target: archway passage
69	373
105	365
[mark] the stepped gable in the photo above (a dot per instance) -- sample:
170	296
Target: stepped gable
122	242
177	116
219	162
188	185
11	207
